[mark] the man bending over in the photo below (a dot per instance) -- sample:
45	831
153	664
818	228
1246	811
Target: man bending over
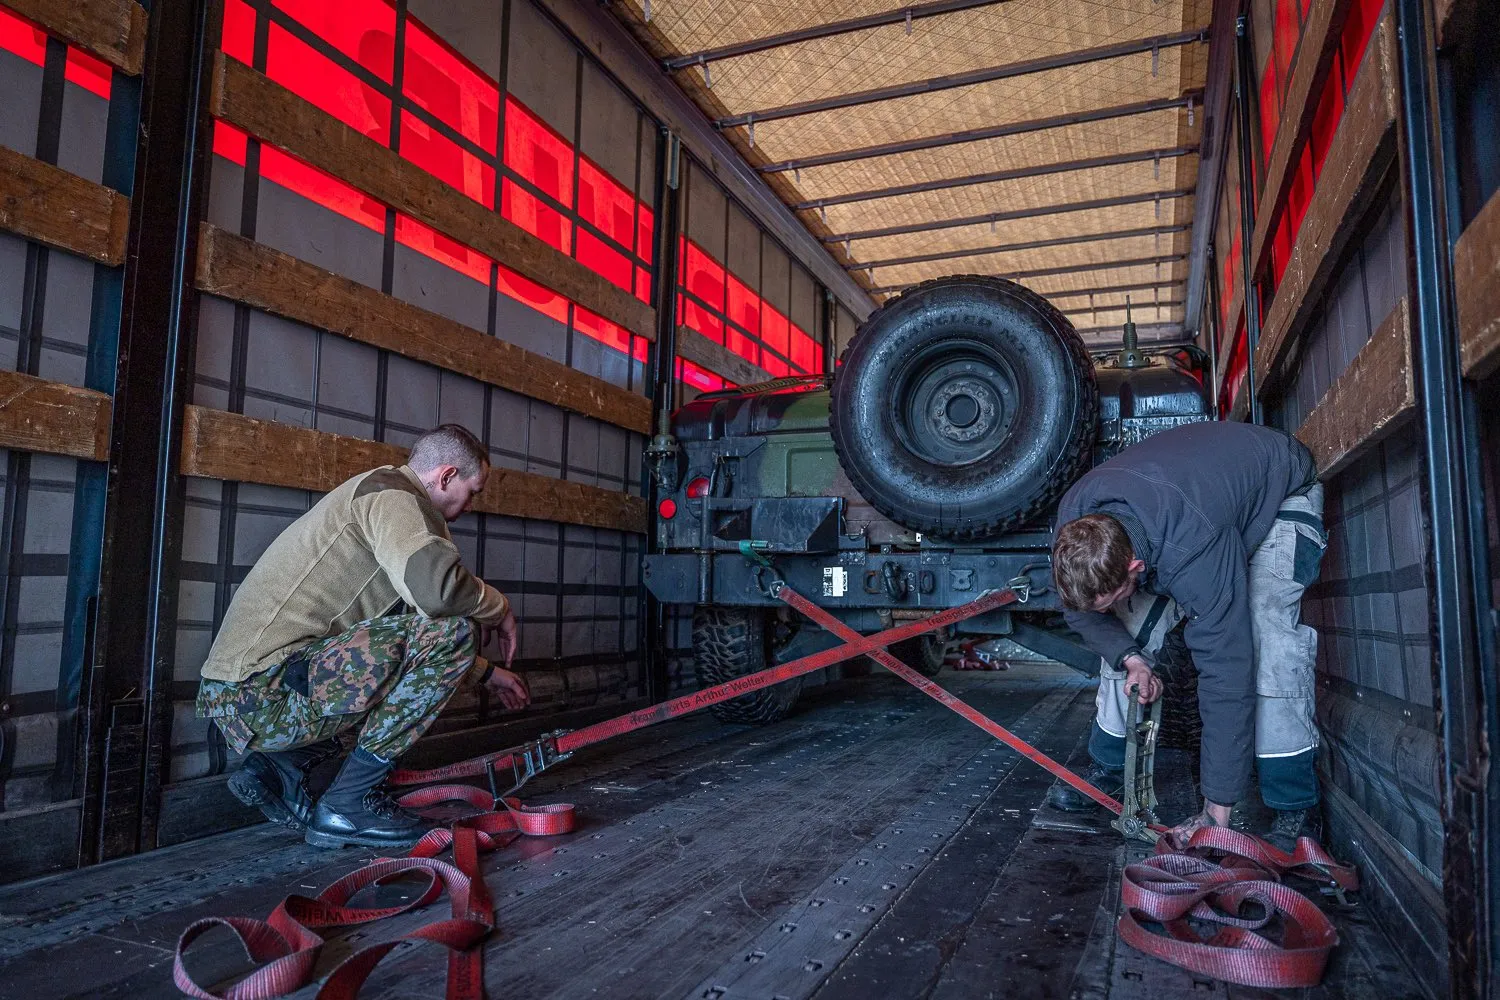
311	645
1221	524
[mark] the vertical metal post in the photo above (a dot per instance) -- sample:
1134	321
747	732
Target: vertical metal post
1244	78
132	667
661	388
1215	330
1446	456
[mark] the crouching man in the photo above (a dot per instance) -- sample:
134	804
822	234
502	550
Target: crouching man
1221	524
309	647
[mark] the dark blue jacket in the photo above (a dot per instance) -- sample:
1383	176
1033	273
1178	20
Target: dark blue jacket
1196	501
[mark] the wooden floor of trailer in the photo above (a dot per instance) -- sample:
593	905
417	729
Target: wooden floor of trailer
872	845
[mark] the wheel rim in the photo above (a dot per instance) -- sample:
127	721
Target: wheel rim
954	403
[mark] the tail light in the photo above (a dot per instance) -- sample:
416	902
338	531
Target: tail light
697	488
667	509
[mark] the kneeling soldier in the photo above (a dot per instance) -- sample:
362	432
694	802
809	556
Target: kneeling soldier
309	647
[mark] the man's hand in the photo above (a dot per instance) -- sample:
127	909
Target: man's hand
504	632
1140	680
1212	815
509	688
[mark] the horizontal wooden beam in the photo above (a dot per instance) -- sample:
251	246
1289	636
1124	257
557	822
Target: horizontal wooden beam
228	446
38	415
1361	150
113	30
695	347
234	267
49	205
1368	401
1476	285
1316	53
252	102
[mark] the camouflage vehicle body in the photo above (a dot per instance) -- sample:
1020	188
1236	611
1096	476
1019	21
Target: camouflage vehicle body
757	478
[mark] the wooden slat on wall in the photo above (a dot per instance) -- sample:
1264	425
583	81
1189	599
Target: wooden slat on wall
236	268
717	358
1316	53
38	415
228	446
1476	285
113	30
47	204
1357	158
1373	396
249	100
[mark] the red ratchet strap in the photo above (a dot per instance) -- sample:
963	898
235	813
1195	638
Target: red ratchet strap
288	942
1173	887
932	690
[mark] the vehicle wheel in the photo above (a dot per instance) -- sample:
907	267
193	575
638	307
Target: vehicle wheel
923	653
733	642
1181	726
964	407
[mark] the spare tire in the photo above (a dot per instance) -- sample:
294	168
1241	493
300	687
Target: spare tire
964	407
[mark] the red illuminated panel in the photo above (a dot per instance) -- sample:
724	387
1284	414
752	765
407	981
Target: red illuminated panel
1301	190
363	30
544	301
1360	22
319	80
1270	114
775	330
705	322
537	153
1326	119
744	306
93	75
643	285
705	276
645	235
20	37
531	214
449	252
328	191
438	79
1286	30
777	367
605	204
238	39
602	330
229	142
804	350
598	257
640	349
446	160
742	345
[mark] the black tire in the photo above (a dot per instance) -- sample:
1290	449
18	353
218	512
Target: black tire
1181	725
733	642
924	654
964	407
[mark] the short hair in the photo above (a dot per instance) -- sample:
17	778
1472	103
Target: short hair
449	444
1090	557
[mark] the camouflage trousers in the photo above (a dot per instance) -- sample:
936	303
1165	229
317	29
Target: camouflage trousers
390	677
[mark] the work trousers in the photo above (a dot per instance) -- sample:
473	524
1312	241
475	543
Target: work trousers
389	677
1285	654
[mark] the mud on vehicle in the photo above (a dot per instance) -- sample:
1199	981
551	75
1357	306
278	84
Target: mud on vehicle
924	472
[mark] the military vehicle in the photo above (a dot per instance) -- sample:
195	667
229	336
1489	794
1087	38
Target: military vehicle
923	472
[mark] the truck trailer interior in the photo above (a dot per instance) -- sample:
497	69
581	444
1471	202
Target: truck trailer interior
797	718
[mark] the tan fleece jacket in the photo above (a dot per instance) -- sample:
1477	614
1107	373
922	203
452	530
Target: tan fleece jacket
374	541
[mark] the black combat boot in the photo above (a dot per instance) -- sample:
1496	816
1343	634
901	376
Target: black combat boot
356	811
276	782
1069	799
1291	824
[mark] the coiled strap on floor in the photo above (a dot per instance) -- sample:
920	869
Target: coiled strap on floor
1177	887
288	941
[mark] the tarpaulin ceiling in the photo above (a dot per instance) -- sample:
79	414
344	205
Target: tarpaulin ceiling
1080	179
